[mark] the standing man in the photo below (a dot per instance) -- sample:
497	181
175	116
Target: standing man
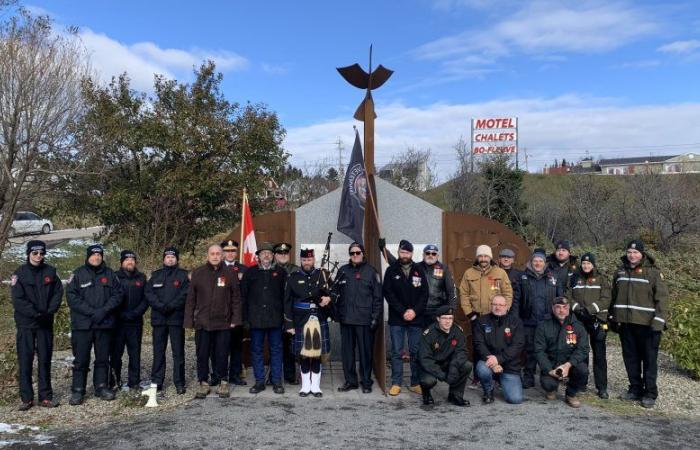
94	292
213	307
406	291
166	292
358	308
235	365
590	296
441	286
36	297
562	263
306	310
561	349
538	288
443	357
283	260
263	307
499	340
639	311
506	258
129	330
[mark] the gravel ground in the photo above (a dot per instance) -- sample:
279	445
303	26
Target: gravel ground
245	422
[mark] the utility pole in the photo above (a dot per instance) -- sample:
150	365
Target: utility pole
341	171
527	168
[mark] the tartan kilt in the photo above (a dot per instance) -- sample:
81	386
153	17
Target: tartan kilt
325	338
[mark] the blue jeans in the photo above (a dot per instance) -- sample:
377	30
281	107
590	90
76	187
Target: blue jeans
510	382
398	333
257	343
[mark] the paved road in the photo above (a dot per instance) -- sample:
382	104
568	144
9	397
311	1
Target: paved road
373	421
58	235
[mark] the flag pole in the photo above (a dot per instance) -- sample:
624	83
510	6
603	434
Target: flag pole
241	245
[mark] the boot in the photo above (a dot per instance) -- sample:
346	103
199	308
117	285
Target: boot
316	384
457	401
488	397
76	398
305	384
223	391
572	401
203	390
104	393
257	387
25	406
427	397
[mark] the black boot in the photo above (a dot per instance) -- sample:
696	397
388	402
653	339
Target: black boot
104	393
258	387
427	397
457	401
488	397
76	398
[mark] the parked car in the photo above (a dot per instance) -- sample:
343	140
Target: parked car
27	222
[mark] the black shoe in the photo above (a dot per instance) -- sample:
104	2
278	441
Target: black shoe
603	393
488	397
278	389
104	394
648	402
25	406
48	403
239	382
366	389
76	398
159	388
292	381
258	387
347	387
457	401
630	396
528	382
427	396
180	390
304	394
317	394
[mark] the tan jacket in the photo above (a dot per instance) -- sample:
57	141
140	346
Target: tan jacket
478	288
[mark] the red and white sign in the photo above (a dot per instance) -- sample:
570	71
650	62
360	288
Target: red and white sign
495	135
248	244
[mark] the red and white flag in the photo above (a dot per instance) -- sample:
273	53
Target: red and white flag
248	244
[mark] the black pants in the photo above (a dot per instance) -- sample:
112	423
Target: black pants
126	336
640	352
597	336
212	345
456	387
235	364
160	346
530	360
362	338
31	341
288	358
82	342
578	375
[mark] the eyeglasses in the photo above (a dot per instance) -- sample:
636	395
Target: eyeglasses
38	253
235	250
355	253
431	253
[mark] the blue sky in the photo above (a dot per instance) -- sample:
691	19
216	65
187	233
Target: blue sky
610	78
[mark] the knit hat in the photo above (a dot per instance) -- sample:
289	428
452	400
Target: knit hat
34	246
484	250
636	244
126	254
538	253
171	251
566	245
406	246
590	257
95	248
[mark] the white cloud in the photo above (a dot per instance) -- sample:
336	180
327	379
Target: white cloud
559	127
142	60
681	47
275	69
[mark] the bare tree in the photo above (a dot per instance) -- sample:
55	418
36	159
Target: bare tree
40	74
411	170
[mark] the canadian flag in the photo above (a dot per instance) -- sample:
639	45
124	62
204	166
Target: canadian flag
248	244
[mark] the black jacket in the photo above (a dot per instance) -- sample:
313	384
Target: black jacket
536	294
503	337
166	293
441	287
357	295
36	295
94	293
305	289
403	293
563	273
438	351
557	343
263	296
134	305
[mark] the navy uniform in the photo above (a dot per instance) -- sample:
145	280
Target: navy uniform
303	313
289	362
166	292
36	297
128	333
94	293
442	356
358	306
235	365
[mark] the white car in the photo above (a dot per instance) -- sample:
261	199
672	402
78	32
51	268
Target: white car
27	222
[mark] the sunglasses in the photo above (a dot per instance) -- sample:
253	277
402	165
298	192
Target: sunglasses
355	253
431	253
38	253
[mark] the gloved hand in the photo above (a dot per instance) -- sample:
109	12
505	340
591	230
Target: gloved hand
614	326
657	325
374	325
582	314
98	316
382	244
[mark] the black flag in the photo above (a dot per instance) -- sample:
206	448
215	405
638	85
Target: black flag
351	216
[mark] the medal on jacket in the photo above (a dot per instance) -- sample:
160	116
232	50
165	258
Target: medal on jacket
507	332
221	281
438	272
570	335
416	280
638	270
436	346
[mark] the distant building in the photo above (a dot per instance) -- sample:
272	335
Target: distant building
671	164
412	176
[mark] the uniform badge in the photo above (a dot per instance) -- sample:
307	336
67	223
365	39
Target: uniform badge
592	280
436	346
507	332
397	277
13	280
274	274
427	330
638	270
176	283
454	342
358	276
487	329
235	268
417	282
301	281
221	281
438	272
103	280
47	280
240	276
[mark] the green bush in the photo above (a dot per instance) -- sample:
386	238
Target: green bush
682	339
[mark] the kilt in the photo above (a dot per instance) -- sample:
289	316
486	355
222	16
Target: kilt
325	338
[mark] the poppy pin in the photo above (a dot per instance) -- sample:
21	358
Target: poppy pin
176	283
274	274
357	276
454	342
103	280
47	280
138	284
